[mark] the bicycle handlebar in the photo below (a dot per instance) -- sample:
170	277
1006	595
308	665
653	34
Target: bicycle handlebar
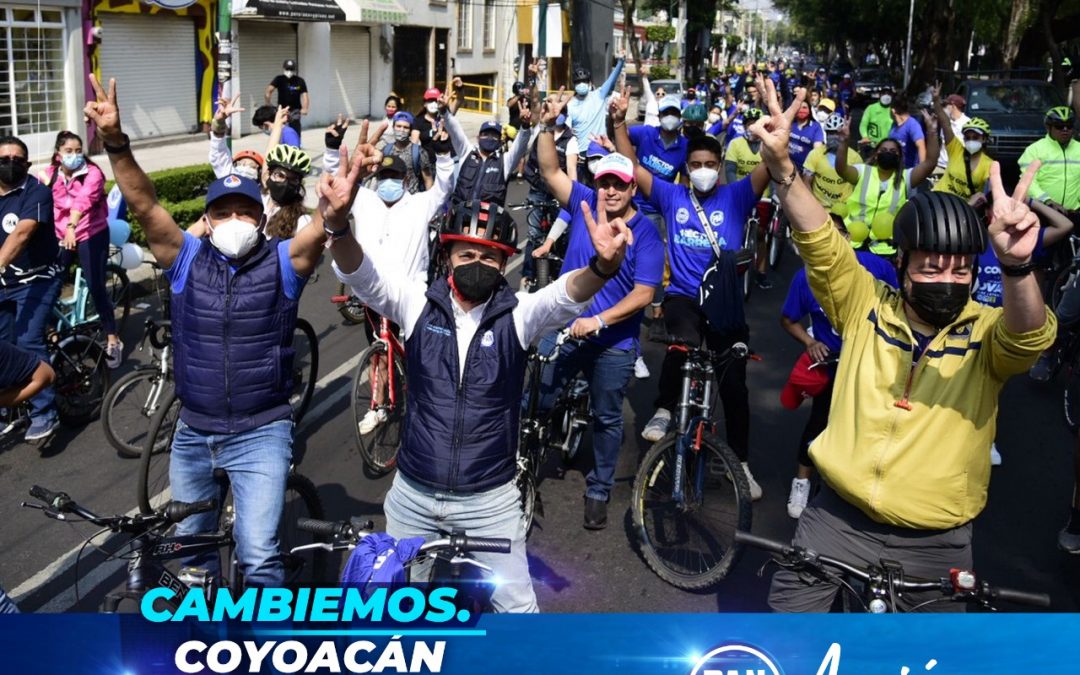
354	532
57	503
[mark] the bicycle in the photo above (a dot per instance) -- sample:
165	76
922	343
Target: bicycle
78	308
777	234
133	399
562	428
753	229
686	545
548	267
379	388
885	583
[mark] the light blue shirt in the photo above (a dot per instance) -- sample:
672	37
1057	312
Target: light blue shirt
588	115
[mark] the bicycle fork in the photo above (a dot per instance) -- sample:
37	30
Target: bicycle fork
691	430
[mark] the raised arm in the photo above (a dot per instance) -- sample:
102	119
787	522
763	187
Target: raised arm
280	120
454	98
944	123
625	146
843	169
162	233
1014	231
557	181
929	157
521	141
609	83
458	139
220	159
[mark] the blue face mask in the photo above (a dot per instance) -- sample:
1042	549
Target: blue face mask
390	189
73	162
581	88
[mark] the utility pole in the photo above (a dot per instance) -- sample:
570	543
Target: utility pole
907	54
224	30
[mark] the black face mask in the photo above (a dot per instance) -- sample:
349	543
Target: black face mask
937	303
693	132
476	281
285	193
888	160
13	173
489	144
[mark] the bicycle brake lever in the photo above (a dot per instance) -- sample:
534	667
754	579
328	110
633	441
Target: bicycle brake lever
465	560
318	545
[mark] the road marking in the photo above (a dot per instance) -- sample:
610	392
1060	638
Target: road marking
327	388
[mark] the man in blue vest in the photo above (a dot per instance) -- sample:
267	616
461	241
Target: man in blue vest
466	344
234	301
483	169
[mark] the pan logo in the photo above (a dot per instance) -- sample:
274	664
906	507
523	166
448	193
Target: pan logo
736	659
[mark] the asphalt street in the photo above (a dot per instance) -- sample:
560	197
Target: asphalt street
574	570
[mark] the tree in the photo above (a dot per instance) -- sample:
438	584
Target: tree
629	8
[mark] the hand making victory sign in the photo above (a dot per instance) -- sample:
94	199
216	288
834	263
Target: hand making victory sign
337	192
1014	227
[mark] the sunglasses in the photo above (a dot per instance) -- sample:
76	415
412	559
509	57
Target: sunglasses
1062	126
13	160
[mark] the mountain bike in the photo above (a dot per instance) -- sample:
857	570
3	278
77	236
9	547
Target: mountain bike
884	584
133	399
690	493
758	215
379	397
548	267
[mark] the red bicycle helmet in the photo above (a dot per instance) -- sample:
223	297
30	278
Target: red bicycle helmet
250	154
484	223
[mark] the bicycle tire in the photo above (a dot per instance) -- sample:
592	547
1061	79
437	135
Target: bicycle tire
153	474
82	378
379	447
526	485
307	568
351	311
776	249
305	369
119	287
129	406
543	273
652	498
750	243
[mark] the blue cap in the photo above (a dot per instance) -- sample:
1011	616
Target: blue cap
234	185
560	120
669	102
596	150
403	116
491	126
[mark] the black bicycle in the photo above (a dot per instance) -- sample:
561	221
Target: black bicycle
884	584
548	267
690	493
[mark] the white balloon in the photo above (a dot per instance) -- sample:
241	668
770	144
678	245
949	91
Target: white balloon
131	256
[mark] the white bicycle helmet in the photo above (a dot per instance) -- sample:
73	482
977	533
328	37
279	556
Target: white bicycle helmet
834	122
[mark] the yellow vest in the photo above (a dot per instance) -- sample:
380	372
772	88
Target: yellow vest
871	211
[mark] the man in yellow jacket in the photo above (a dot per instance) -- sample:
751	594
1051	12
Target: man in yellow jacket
905	457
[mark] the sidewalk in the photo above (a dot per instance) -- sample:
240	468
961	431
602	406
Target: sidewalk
194	151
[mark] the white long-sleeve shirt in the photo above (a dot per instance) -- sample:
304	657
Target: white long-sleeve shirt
652	106
463	146
401	299
220	157
397	235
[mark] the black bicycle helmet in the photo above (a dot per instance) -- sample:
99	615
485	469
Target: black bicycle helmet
517	87
582	75
468	219
939	222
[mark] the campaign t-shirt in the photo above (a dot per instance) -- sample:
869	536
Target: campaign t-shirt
289	136
827	185
16	365
737	129
801	302
291	283
987	289
907	134
289	90
32	201
643	264
689	250
955	180
662	160
802	140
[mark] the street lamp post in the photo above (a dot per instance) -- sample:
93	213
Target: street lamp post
907	54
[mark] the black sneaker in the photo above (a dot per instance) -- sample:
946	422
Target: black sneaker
595	514
763	282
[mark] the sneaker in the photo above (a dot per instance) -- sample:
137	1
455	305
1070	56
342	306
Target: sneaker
372	419
763	282
595	514
1040	372
800	494
1069	541
995	456
657	427
755	489
641	371
114	355
42	427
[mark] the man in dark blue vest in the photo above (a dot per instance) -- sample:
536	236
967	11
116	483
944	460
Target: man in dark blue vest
234	300
467	337
483	169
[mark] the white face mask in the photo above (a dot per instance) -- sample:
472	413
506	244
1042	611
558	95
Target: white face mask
670	123
245	171
714	118
234	238
886	100
401	135
290	73
592	164
973	146
432	107
821	116
704	179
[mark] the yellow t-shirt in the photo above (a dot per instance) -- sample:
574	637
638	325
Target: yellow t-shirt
955	179
828	186
745	159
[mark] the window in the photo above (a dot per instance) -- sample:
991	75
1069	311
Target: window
489	25
31	72
464	25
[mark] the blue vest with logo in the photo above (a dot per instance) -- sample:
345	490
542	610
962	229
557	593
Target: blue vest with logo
232	336
481	179
460	434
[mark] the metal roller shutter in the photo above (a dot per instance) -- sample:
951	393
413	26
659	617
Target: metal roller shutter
153	61
263	47
350	90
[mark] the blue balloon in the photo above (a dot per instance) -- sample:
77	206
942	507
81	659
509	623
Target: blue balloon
119	232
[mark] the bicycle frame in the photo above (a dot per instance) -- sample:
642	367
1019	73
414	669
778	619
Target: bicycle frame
393	348
75	305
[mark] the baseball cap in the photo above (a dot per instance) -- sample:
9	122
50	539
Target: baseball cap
617	165
403	116
432	94
491	126
670	102
956	100
391	163
596	150
234	185
290	64
803	382
560	121
828	104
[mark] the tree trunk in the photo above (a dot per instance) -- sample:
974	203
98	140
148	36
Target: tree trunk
1014	31
628	8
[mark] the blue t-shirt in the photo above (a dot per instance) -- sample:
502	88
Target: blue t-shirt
32	201
291	282
802	140
801	302
689	250
662	161
736	129
907	134
16	365
644	264
988	290
290	137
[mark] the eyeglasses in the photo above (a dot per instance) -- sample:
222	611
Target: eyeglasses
281	175
1062	126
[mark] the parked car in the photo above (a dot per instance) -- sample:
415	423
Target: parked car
869	83
670	87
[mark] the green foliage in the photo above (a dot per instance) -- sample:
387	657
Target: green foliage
660	33
181	192
660	72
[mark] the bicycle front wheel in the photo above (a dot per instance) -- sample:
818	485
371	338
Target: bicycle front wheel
82	379
153	475
776	248
690	543
378	408
304	568
129	406
305	368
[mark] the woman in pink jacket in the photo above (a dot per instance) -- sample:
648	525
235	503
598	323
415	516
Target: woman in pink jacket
81	220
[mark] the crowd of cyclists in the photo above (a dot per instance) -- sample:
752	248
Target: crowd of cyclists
920	294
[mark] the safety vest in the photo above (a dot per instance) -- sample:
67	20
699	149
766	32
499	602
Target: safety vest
871	210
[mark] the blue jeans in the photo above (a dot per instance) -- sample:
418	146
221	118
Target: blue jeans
415	510
608	371
536	235
25	313
257	463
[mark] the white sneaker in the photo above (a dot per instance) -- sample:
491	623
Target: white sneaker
114	355
755	489
800	494
641	371
1068	541
995	456
372	419
657	427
